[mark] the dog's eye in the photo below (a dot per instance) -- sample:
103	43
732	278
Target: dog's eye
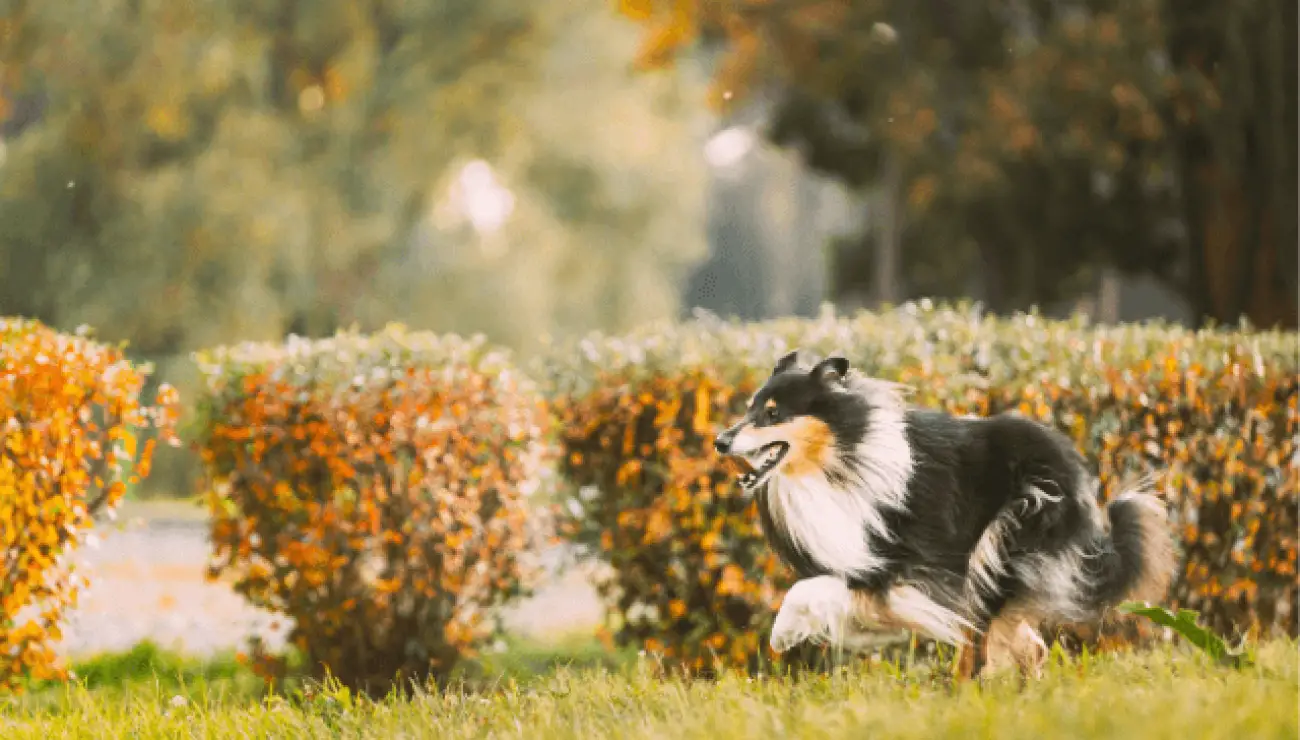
771	415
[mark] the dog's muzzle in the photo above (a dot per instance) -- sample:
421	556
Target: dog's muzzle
764	460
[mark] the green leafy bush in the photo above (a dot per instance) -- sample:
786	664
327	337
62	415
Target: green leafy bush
1211	414
376	490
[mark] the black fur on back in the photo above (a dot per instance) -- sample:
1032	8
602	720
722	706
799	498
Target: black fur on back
965	472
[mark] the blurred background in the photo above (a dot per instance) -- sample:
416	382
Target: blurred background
186	173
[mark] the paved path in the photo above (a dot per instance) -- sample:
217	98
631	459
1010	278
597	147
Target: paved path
147	582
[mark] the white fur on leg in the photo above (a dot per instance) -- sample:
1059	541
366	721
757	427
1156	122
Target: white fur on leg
818	609
823	609
921	613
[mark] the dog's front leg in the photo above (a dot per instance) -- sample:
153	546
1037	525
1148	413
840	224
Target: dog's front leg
826	610
820	609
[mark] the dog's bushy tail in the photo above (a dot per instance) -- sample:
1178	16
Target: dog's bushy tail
1134	561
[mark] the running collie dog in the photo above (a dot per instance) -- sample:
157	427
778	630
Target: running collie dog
971	531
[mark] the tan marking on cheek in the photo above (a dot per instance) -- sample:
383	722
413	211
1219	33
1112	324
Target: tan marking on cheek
811	446
771	404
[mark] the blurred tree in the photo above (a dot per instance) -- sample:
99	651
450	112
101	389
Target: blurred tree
1040	141
208	172
240	166
188	174
607	195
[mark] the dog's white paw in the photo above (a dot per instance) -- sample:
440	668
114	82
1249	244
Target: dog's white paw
816	609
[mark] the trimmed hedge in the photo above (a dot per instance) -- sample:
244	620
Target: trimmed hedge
376	490
70	442
1211	414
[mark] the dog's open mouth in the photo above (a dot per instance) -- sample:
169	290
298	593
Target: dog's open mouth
764	461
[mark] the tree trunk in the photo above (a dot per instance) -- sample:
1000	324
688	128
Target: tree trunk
994	268
888	232
1238	168
1108	296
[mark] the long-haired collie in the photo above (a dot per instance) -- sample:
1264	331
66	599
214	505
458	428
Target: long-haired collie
972	531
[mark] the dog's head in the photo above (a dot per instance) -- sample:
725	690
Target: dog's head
797	422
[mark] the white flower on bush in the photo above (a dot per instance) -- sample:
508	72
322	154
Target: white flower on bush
642	612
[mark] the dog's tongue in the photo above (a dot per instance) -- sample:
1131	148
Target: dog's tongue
739	466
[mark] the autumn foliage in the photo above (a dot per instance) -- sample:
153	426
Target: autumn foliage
375	489
1034	145
1212	415
73	435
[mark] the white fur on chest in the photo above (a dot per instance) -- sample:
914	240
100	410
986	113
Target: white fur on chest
833	527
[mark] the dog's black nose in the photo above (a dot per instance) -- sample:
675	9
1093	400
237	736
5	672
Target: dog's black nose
722	443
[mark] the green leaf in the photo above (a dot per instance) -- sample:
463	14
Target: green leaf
1185	624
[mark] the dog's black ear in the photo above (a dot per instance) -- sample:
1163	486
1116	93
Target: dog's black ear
832	370
786	362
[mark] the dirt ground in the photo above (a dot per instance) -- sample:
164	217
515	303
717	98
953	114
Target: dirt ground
147	581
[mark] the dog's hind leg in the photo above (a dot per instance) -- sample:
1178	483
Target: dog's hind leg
1008	641
972	656
990	584
1012	641
1011	547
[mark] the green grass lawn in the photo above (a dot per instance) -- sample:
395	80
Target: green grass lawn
577	691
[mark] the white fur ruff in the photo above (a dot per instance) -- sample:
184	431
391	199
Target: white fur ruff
829	522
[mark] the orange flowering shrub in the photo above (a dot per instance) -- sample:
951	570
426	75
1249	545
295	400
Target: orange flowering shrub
375	489
71	426
1212	415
